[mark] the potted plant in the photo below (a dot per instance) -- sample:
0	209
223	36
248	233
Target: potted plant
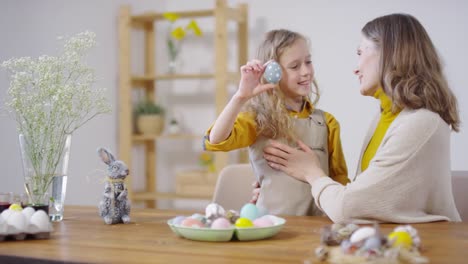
149	118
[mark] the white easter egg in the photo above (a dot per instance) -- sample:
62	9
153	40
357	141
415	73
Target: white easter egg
6	213
361	234
28	212
16	222
39	222
3	226
273	72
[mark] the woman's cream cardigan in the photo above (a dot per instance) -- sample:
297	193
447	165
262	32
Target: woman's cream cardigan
407	181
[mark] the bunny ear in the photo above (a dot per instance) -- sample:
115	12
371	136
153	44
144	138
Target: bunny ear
106	156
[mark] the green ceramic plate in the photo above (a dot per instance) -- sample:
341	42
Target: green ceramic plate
222	235
257	233
202	234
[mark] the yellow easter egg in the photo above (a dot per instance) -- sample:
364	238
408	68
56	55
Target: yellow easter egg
243	222
400	239
15	207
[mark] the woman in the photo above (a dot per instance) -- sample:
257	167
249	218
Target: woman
404	174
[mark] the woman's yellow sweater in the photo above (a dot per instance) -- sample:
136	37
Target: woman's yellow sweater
386	119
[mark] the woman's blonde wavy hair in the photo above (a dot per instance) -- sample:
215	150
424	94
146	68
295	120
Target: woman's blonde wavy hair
410	68
269	109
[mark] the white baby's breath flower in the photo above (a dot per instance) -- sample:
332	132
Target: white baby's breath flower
52	96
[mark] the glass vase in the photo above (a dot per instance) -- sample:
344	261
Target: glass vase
45	167
172	66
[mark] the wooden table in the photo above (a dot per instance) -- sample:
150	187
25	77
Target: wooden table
83	237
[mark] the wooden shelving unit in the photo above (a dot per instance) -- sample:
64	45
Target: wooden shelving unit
147	22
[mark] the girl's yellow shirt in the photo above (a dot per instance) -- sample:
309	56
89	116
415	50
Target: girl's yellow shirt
386	119
244	134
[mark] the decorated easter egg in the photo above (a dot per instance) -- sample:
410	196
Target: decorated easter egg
400	239
232	216
273	72
221	223
214	210
244	222
249	211
372	243
412	231
199	217
178	220
362	234
346	246
192	222
263	222
15	207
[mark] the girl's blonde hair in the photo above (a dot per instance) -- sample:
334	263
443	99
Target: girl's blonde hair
410	69
269	107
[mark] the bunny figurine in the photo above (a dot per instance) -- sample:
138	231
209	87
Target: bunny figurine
114	206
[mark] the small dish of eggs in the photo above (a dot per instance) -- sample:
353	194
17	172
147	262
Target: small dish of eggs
17	223
219	225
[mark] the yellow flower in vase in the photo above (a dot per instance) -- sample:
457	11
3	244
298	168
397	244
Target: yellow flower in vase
195	28
177	35
172	17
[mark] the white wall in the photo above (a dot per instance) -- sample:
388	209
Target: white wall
29	28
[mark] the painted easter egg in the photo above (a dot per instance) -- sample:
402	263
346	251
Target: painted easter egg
263	222
221	223
214	210
413	232
192	222
249	211
15	207
362	234
232	216
178	220
372	243
400	239
244	222
273	72
199	217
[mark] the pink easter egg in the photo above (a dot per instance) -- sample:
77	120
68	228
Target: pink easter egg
262	222
221	223
191	222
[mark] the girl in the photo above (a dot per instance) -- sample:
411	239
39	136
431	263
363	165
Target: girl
283	112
